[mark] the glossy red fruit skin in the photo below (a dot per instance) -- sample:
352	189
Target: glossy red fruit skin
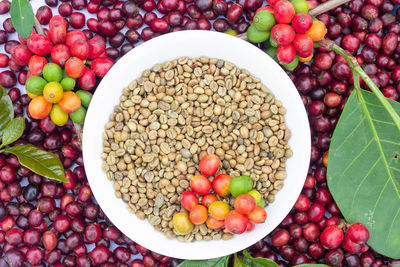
200	184
188	200
49	240
303	45
21	55
280	238
58	20
39	44
341	71
209	164
351	246
60	54
272	3
22	77
93	25
73	36
316	212
245	204
234	13
80	49
316	251
88	79
301	22
34	255
100	255
14	236
310	182
36	64
107	28
57	29
77	20
220	184
358	233
74	67
8	174
286	53
284	11
331	237
283	34
97	46
102	65
322	194
4	59
235	222
160	25
311	232
323	61
351	43
303	203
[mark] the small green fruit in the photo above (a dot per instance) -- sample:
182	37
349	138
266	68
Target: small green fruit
52	72
261	203
256	36
85	97
292	65
35	85
240	185
78	116
272	53
273	43
264	21
300	6
68	83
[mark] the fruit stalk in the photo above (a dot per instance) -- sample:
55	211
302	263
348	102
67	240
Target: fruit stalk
322	8
38	26
356	68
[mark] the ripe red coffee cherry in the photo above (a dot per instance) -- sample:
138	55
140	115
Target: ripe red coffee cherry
280	238
302	203
284	11
283	34
358	233
316	212
331	237
209	164
311	232
302	22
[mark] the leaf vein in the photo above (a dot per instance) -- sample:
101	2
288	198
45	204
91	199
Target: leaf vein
350	134
379	197
373	105
384	122
374	132
391	225
363	180
390	142
395	169
359	155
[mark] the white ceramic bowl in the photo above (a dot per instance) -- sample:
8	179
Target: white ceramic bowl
194	44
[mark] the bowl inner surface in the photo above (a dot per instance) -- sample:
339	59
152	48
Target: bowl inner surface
194	44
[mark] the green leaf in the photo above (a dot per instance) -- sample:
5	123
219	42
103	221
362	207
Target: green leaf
217	262
364	169
239	262
39	161
263	262
13	130
22	17
7	110
258	262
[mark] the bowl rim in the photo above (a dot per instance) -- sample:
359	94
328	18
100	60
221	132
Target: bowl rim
91	120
